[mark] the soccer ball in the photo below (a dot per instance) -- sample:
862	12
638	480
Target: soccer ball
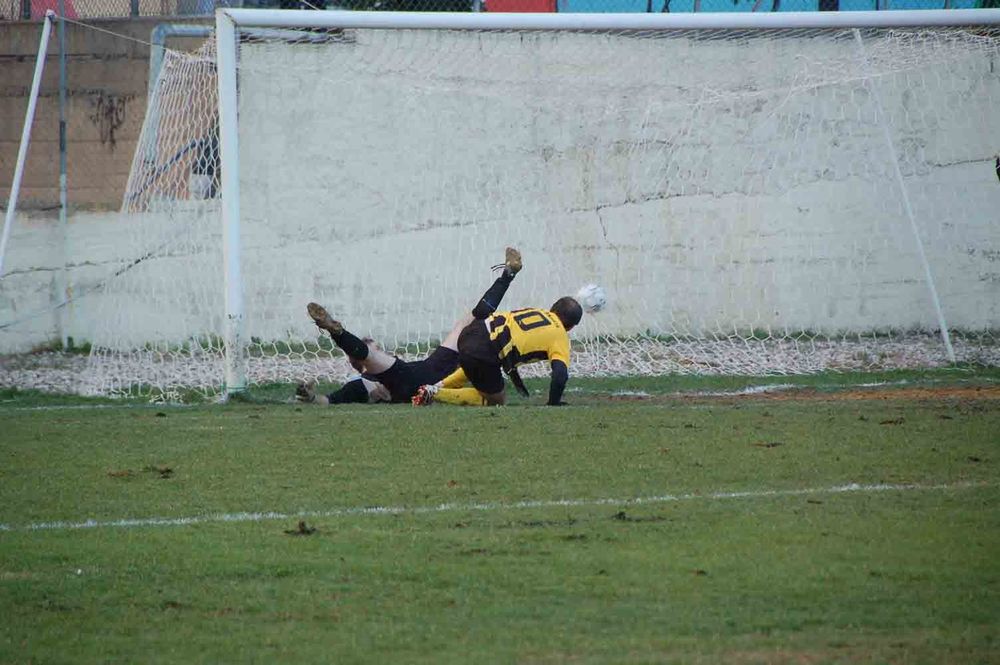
592	298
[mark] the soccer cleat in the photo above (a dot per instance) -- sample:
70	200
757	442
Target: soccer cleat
425	396
512	259
305	392
322	319
512	262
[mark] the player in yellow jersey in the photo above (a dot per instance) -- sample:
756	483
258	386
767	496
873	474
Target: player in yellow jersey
503	342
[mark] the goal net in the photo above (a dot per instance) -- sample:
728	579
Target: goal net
755	199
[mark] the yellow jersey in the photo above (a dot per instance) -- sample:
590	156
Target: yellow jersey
528	336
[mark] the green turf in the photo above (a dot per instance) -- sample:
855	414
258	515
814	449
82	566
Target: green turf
665	385
890	576
659	385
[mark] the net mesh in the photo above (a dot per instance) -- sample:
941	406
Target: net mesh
747	199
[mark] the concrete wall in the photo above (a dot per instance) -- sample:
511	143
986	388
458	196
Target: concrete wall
709	187
706	198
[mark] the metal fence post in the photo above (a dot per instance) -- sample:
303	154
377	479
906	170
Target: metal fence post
62	279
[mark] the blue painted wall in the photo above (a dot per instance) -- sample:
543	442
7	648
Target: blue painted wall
746	5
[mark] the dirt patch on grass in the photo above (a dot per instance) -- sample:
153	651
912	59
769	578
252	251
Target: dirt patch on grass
847	394
963	393
8	575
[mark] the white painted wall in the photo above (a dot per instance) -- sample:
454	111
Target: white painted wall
706	197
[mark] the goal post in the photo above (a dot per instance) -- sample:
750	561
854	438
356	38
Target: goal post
22	149
225	35
757	193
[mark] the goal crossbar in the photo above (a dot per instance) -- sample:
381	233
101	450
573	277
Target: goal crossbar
278	18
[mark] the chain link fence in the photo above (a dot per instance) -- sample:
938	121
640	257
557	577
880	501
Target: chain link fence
12	10
34	10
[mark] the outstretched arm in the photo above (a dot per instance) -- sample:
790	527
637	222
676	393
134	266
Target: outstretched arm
560	376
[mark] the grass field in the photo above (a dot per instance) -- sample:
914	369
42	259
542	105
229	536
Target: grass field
650	521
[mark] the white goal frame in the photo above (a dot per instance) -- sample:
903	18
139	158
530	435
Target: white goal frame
229	20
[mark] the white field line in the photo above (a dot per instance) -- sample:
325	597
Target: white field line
479	507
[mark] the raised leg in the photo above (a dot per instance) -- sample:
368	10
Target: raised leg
491	299
374	360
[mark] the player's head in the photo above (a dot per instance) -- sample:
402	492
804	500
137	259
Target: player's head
359	365
568	310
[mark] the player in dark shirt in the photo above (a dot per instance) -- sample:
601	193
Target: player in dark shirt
385	377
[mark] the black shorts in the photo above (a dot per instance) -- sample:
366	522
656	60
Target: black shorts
479	360
403	378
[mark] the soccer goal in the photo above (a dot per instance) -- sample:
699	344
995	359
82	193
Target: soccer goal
757	194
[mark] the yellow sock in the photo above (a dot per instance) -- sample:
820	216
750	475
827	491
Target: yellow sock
454	380
460	396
